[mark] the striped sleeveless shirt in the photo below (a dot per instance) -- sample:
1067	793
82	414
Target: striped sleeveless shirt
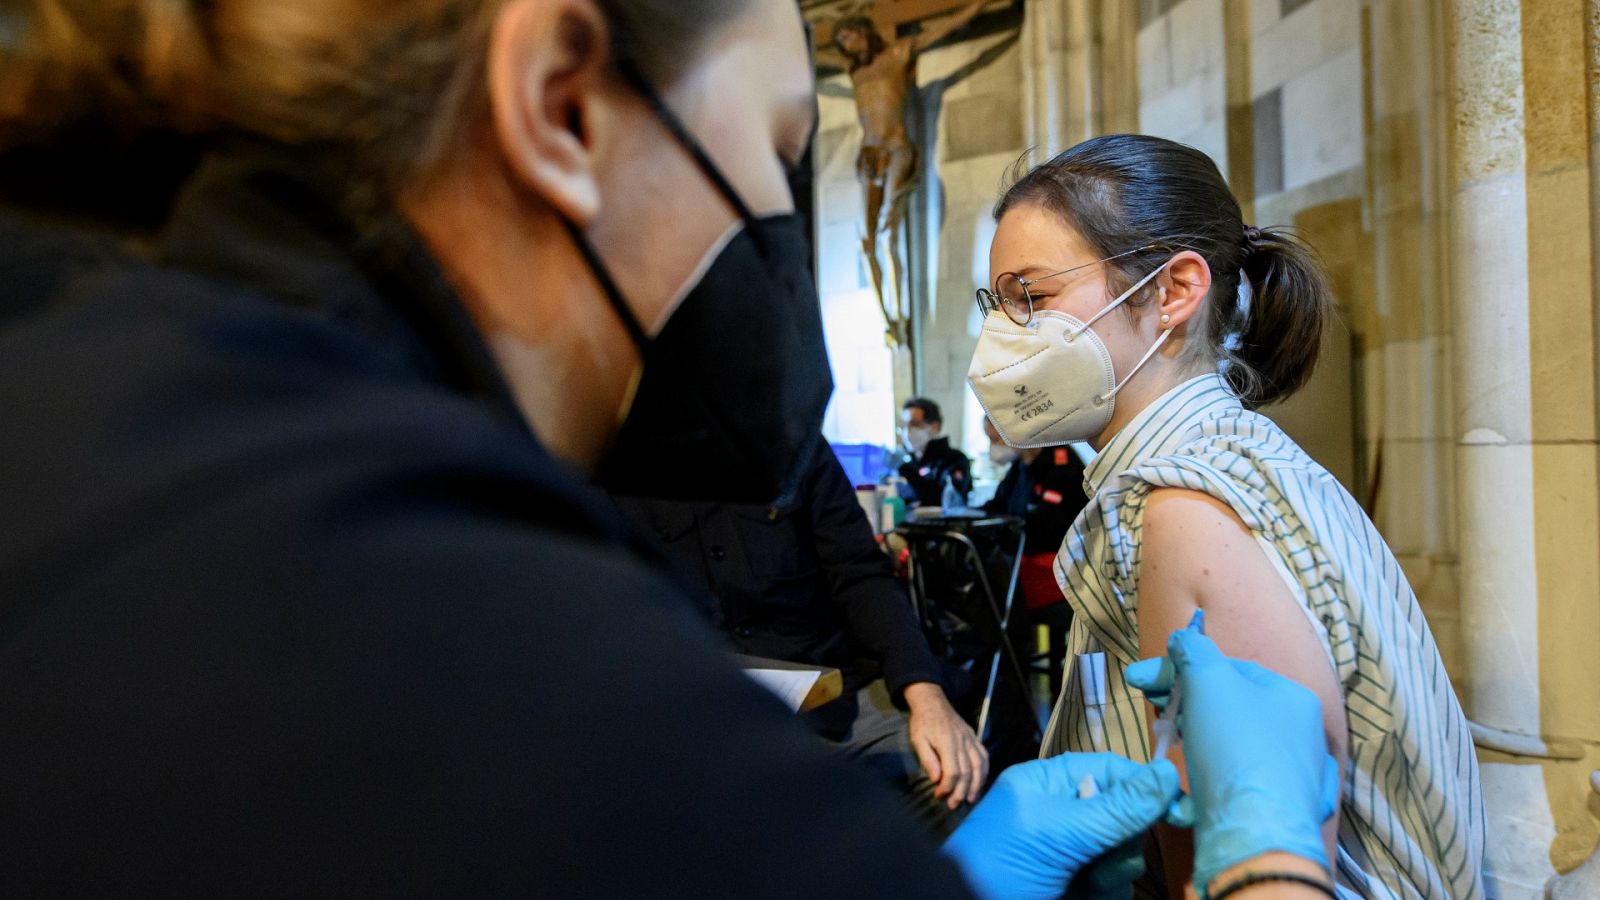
1412	820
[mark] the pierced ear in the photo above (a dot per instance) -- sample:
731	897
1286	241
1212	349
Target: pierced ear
546	66
1182	288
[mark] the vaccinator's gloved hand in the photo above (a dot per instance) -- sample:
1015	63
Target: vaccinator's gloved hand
1260	777
1032	833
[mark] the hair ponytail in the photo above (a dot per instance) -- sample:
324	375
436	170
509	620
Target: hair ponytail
1272	352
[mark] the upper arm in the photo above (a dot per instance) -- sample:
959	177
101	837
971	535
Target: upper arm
1196	553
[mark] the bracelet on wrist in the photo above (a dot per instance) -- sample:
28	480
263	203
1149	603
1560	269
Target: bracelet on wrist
1250	879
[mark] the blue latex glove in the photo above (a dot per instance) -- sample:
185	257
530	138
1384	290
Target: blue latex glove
1032	833
1260	777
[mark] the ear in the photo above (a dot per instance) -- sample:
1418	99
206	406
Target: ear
1184	286
546	68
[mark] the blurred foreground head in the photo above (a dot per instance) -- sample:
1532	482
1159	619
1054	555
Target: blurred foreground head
489	127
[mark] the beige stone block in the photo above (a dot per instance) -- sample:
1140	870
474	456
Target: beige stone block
1432	577
1488	92
1322	121
1499	586
1416	379
1195	107
1490	286
1211	138
1303	40
1001	72
1264	14
1396	154
1155	59
1561	310
1286	207
1516	864
1321	416
1195	29
1567	531
1406	269
1406	504
1400	41
1554	58
1415	509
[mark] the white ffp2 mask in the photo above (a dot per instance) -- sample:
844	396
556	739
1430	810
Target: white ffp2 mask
1050	381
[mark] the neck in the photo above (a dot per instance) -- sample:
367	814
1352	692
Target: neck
536	304
1029	454
1162	373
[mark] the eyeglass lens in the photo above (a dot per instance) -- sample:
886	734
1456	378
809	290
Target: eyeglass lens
1014	298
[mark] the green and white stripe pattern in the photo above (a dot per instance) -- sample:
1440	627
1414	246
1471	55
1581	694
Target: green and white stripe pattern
1412	822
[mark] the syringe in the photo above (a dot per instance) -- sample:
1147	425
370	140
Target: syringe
1165	727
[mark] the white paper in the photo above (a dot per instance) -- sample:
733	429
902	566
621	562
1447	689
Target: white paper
790	685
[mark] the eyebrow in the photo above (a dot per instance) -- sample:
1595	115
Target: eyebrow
1033	271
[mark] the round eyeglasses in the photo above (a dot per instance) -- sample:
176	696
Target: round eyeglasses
1011	293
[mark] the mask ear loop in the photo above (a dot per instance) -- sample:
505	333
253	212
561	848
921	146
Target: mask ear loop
608	285
1165	333
1115	303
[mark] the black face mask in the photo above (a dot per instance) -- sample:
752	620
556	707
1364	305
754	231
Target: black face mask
730	404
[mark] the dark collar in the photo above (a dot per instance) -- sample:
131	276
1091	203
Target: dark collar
269	216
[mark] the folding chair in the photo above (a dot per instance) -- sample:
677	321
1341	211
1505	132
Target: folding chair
954	567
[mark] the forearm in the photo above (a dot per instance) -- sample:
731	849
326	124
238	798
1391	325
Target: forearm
924	694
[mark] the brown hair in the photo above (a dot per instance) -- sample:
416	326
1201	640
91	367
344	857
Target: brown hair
389	86
1127	191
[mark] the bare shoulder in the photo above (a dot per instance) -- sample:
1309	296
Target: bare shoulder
1182	525
1195	552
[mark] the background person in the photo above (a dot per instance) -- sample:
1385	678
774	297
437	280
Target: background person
935	467
805	581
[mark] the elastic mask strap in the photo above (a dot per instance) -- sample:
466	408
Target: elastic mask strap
635	78
607	285
1153	347
1140	364
1118	302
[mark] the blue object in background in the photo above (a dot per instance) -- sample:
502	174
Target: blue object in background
863	463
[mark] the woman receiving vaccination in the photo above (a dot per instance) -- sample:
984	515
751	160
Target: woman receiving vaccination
1132	308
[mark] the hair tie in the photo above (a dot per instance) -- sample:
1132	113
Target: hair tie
1252	236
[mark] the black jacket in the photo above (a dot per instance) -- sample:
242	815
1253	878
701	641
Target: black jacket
939	464
1047	494
292	603
805	583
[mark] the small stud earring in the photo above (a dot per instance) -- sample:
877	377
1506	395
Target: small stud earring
1165	319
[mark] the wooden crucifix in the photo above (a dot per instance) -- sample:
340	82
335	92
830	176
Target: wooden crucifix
883	71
